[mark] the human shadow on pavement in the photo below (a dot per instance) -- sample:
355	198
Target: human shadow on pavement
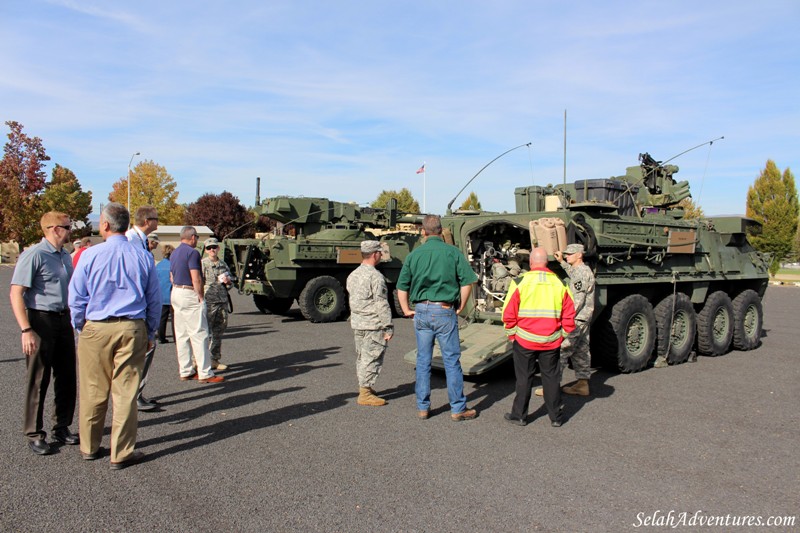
247	330
598	390
217	431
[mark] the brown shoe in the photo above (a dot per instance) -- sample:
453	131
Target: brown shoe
538	392
579	388
423	415
189	377
219	366
212	379
468	414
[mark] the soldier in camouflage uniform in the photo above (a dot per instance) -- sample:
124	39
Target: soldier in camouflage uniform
371	320
576	345
217	278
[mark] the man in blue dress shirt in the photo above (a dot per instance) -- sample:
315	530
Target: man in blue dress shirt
115	303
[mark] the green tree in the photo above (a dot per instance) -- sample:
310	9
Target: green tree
22	179
471	203
405	200
691	210
63	193
772	201
150	184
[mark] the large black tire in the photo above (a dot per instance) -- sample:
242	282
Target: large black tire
748	319
394	302
676	323
630	334
276	306
322	299
715	325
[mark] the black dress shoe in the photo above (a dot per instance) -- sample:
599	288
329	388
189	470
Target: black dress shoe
40	447
163	341
148	401
514	420
93	456
65	436
136	457
142	405
556	423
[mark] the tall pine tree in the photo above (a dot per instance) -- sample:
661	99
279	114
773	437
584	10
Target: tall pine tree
772	201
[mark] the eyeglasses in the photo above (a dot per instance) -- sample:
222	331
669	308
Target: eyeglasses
153	218
66	227
212	247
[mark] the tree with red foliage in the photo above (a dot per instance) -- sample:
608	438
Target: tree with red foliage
223	213
22	180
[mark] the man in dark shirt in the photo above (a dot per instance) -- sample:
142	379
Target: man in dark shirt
39	301
189	319
438	279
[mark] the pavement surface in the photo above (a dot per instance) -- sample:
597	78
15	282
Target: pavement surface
282	445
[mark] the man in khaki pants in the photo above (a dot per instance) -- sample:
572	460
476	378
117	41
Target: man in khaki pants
115	302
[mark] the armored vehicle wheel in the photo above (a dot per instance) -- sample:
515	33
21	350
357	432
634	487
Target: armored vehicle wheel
276	306
676	324
748	318
715	325
322	299
632	333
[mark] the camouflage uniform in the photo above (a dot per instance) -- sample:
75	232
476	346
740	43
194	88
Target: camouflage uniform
576	345
371	320
216	298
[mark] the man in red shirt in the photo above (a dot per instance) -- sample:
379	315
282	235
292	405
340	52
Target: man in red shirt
538	313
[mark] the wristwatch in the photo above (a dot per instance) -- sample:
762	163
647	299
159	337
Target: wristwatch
26	330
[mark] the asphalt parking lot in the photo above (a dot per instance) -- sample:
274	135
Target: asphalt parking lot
282	445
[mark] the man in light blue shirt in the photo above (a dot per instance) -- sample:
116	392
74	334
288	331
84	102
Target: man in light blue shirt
115	302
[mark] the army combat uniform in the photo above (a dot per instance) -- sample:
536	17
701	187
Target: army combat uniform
371	320
576	345
216	298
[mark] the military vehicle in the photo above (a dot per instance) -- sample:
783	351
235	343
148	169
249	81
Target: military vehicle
664	285
309	260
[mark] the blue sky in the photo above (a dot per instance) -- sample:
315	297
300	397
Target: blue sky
344	99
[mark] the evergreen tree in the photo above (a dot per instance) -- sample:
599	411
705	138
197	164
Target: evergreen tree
471	203
772	201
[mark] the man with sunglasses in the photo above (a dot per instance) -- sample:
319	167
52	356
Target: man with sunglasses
217	278
39	289
145	223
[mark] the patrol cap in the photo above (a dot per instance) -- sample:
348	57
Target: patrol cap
153	237
77	243
370	247
574	249
210	242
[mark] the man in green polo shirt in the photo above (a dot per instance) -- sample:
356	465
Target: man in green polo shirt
437	278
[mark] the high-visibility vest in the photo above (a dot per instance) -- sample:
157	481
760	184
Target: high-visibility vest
538	310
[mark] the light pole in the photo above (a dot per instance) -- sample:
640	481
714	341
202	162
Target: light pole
129	180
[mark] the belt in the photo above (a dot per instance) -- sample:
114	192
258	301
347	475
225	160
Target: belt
190	287
63	312
442	304
114	319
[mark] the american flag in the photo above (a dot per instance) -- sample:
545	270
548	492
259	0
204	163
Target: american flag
421	169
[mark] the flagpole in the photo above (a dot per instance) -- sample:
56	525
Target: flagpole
424	187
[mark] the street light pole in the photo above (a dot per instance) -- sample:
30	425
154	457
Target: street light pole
129	180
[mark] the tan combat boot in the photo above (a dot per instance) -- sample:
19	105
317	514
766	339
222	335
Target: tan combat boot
579	388
366	396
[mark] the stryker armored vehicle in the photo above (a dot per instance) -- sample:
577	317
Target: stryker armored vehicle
665	285
316	249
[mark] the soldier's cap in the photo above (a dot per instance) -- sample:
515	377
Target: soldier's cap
574	249
76	243
153	237
210	242
370	247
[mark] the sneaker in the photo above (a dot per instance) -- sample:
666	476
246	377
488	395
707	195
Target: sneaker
212	379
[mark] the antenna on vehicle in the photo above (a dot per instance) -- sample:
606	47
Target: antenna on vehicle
481	170
703	179
693	148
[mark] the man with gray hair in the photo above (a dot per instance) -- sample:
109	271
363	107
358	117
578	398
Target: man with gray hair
371	320
115	302
188	304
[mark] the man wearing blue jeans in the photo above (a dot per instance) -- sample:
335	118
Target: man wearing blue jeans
437	278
